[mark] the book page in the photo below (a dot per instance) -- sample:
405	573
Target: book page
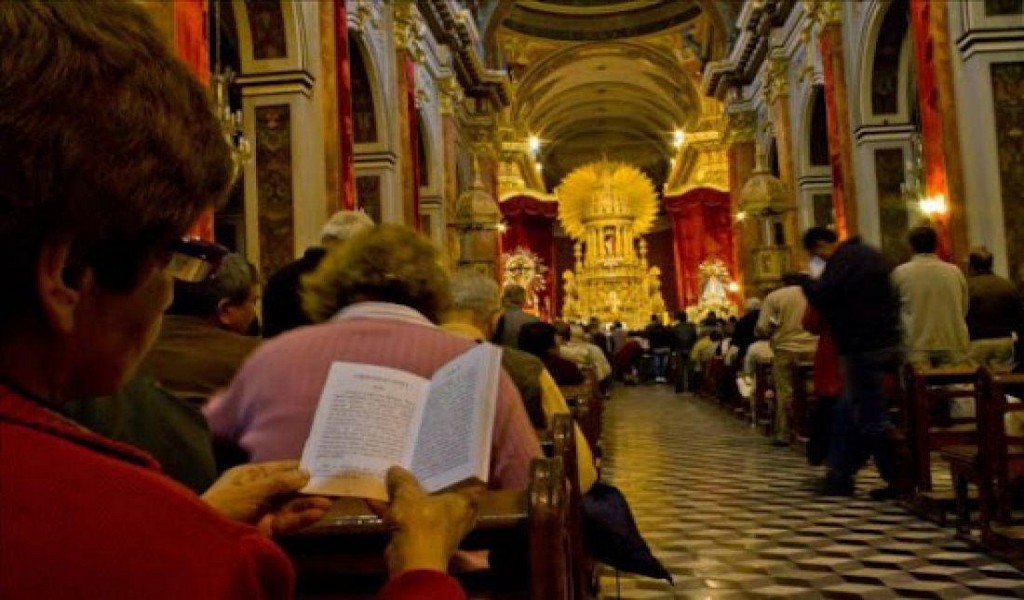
365	423
458	416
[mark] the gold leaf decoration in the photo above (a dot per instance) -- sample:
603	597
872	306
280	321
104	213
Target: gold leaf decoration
606	189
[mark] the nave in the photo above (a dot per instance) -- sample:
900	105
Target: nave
731	516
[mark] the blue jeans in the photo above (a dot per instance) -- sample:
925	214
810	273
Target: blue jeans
661	357
860	423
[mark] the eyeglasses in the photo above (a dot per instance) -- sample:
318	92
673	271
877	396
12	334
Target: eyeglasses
194	261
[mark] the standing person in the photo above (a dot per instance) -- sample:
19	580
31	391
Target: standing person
513	317
743	335
619	337
993	314
857	302
282	302
933	305
661	342
685	337
781	317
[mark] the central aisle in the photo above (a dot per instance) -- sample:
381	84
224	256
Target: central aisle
733	517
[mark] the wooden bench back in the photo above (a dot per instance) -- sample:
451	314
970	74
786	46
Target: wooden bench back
803	399
1000	454
928	393
764	396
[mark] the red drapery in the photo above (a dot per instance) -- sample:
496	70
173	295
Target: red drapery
661	253
835	140
931	117
346	133
414	141
702	229
192	45
530	224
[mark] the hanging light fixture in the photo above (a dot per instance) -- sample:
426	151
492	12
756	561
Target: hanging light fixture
220	86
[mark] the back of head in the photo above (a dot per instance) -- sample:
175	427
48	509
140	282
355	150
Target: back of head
231	282
537	338
344	225
475	292
563	330
923	240
388	263
681	316
514	295
980	261
791	278
106	140
752	304
818	235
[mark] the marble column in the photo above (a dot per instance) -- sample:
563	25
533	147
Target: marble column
940	143
450	144
406	32
344	128
778	97
840	136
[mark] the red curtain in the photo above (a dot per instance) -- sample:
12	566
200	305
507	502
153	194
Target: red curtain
661	253
192	45
530	224
702	229
346	131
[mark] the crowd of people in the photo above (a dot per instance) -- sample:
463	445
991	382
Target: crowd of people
859	322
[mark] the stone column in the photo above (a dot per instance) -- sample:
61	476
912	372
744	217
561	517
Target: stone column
449	92
342	129
837	108
406	31
742	155
940	142
777	94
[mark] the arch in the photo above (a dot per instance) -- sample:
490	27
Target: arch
885	64
817	142
365	105
423	154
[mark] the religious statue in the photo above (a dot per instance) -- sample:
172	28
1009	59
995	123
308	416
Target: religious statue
607	207
715	284
570	303
526	269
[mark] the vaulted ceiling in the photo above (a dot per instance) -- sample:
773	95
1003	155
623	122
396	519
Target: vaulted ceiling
609	78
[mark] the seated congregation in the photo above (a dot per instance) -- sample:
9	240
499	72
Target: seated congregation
150	440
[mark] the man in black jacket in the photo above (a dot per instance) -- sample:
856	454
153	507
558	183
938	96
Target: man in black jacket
856	298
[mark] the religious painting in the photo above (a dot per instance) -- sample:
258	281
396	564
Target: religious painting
1003	8
364	118
892	205
885	78
1008	97
368	195
824	212
274	186
266	23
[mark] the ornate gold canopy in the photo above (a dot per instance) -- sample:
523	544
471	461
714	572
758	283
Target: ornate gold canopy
606	189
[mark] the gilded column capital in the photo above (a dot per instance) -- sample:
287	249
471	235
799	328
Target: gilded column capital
740	126
824	12
776	77
449	93
408	29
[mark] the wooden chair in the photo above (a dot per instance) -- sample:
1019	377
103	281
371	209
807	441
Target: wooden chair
998	468
587	407
804	400
764	397
342	556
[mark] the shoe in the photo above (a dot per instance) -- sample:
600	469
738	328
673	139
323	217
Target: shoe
886	493
838	489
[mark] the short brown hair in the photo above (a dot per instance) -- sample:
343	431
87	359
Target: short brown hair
389	263
106	140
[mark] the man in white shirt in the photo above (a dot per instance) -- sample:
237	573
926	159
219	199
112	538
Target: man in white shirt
781	318
933	305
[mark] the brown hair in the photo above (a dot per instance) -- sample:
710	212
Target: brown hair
106	140
389	263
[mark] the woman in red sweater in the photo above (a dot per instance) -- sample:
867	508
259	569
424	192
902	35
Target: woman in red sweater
108	153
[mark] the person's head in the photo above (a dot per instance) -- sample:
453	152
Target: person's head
923	240
791	278
343	226
821	242
476	300
980	261
618	325
108	154
537	338
752	304
227	298
712	316
514	295
655	319
716	335
563	331
681	316
388	263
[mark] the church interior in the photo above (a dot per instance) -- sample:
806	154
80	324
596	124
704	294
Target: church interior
755	266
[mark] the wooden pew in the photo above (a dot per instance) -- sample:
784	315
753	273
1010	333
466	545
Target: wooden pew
995	465
342	556
764	397
587	407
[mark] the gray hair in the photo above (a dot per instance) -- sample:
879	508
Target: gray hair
232	281
344	225
514	294
474	292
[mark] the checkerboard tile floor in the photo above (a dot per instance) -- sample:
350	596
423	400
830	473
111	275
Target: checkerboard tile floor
733	517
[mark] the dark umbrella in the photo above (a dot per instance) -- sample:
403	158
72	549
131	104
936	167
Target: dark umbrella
611	535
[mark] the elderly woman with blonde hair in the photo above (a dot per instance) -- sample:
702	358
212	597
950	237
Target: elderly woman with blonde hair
376	300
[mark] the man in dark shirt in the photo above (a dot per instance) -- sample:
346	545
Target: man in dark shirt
856	298
685	334
282	298
993	313
661	341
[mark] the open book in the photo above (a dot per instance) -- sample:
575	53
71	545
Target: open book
371	418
